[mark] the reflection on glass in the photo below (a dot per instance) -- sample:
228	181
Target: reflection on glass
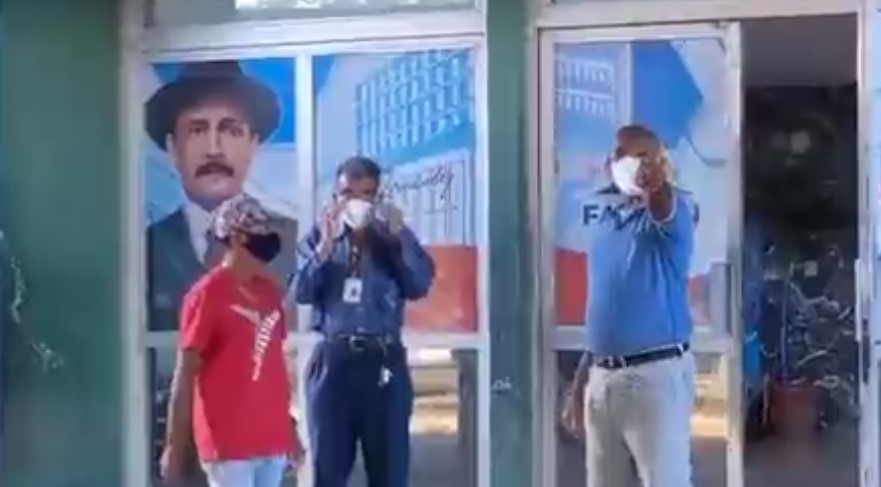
161	371
296	407
178	207
165	12
571	470
597	88
707	423
428	160
444	425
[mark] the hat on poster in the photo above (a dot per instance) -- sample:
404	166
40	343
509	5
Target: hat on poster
199	80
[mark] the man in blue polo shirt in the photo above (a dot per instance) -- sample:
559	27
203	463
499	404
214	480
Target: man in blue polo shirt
637	403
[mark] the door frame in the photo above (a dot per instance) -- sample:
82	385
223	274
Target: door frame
542	191
303	341
605	13
301	40
868	287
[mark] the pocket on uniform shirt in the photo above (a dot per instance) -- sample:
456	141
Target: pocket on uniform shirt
387	295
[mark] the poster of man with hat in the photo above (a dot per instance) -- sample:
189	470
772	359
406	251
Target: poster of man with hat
214	129
212	121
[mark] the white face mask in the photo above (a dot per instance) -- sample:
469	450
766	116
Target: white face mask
357	213
624	172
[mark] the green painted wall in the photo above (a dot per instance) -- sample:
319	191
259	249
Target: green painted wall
511	330
60	205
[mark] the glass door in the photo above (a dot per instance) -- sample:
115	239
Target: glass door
683	82
868	283
416	106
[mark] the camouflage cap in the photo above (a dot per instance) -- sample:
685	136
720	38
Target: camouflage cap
242	213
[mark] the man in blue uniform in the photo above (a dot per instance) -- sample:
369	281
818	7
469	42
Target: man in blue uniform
638	400
358	267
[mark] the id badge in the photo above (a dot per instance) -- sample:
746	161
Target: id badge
352	289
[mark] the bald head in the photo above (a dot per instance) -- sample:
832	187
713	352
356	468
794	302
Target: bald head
641	142
638	141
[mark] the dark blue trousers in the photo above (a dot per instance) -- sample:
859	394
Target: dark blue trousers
348	405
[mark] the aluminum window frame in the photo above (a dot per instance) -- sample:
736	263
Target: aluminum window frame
548	14
316	31
301	39
555	338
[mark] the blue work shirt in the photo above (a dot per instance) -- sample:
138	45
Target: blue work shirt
638	282
392	271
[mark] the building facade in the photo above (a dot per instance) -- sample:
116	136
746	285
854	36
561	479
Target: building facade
492	120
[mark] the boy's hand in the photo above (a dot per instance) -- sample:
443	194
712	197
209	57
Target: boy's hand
297	454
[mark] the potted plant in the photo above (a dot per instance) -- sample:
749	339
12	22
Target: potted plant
794	408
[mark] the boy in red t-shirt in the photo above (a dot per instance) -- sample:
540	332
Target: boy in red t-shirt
231	387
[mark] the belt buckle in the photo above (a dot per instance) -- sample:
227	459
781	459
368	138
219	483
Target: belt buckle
357	344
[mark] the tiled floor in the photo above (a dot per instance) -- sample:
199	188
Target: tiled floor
830	460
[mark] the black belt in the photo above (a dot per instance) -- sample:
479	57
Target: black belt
364	342
620	362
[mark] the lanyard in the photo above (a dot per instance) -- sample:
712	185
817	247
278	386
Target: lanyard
355	253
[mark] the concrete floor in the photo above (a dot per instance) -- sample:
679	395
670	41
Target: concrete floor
826	460
829	460
440	459
436	463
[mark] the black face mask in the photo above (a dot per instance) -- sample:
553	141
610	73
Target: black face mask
264	247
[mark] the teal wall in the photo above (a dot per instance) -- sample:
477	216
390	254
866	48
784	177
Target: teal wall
60	203
512	336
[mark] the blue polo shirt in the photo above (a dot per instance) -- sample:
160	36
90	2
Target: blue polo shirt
638	274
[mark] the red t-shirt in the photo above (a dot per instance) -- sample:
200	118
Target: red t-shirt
240	403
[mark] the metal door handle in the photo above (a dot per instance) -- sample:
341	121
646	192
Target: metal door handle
720	298
865	352
861	322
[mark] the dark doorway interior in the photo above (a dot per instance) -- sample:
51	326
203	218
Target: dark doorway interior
801	220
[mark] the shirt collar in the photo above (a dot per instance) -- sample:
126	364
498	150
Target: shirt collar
608	189
612	190
198	223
